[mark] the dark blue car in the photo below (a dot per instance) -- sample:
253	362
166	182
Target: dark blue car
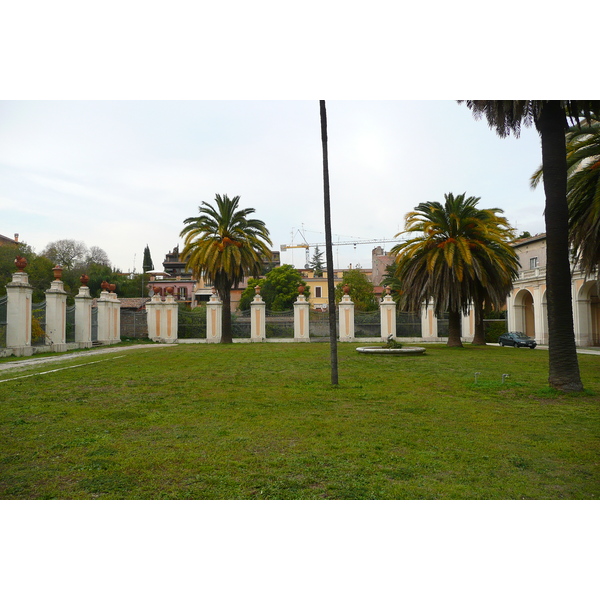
517	339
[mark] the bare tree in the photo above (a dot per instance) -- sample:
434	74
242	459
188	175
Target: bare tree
66	252
98	256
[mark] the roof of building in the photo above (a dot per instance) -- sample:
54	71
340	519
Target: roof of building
7	240
533	238
136	303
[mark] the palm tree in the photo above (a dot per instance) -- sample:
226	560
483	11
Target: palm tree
550	119
223	245
453	261
583	192
328	246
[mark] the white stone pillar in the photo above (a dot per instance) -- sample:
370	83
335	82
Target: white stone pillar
56	313
543	335
258	328
115	318
104	317
18	313
346	318
170	319
214	319
429	324
153	312
387	313
301	317
511	311
468	325
83	317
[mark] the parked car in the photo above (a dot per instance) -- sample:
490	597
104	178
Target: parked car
517	339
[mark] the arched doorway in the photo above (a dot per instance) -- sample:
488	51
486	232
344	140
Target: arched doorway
588	315
524	313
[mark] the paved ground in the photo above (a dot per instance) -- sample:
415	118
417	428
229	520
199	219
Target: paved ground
28	363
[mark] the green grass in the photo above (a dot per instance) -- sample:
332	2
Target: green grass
250	421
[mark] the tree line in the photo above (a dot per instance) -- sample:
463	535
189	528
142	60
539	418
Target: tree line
76	259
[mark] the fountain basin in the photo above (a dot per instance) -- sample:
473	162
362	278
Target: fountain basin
383	350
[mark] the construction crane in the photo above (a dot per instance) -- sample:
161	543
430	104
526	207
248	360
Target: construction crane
306	245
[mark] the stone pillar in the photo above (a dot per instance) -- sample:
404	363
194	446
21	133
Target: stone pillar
170	319
104	317
56	313
214	319
429	324
301	317
115	317
258	327
83	316
154	312
346	317
387	313
468	325
18	311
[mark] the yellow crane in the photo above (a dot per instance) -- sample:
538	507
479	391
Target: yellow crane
306	245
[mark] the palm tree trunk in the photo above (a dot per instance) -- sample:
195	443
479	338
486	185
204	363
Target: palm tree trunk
226	335
329	249
563	365
479	333
454	329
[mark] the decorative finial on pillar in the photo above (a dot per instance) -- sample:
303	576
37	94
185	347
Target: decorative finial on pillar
20	263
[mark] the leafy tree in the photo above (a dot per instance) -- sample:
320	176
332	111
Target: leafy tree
223	245
148	265
249	293
550	119
316	262
447	263
279	289
361	290
583	192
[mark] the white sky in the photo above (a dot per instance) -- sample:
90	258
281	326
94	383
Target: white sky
123	174
114	130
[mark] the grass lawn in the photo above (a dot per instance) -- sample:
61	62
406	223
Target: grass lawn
249	421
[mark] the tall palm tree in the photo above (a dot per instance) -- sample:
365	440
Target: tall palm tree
583	192
223	245
453	260
550	119
329	246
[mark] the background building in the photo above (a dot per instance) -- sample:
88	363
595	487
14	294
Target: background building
527	306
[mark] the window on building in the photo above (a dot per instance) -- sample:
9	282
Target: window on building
533	262
182	293
318	292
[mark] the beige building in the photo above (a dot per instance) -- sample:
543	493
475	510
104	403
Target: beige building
527	306
319	293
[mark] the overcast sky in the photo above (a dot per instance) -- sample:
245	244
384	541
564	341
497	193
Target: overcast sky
123	174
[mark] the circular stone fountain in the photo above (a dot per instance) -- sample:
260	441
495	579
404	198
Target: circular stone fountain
384	350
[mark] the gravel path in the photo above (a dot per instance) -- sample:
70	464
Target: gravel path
29	363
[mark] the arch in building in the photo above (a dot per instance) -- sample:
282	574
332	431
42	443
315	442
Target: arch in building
524	312
587	324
